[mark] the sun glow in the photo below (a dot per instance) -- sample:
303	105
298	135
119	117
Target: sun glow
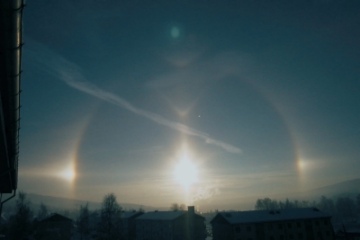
186	172
67	173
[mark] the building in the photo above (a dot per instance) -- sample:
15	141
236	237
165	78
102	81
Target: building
348	231
288	224
54	227
171	225
127	224
10	74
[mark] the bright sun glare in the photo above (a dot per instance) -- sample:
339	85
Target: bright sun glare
67	174
186	173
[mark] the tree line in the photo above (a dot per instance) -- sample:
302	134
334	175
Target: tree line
100	224
342	209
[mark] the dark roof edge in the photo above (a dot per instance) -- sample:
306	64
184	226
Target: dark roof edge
11	94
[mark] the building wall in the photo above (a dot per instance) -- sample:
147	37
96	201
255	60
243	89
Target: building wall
154	229
311	229
246	231
181	228
222	231
199	232
128	228
54	230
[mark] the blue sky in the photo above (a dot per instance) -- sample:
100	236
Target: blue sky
262	97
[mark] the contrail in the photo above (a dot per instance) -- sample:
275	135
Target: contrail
72	76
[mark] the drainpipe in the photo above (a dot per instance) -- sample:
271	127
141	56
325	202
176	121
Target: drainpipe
2	202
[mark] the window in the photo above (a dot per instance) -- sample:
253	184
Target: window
289	225
249	228
238	229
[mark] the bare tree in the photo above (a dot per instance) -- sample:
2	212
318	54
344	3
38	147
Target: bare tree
141	209
346	208
266	204
326	204
83	222
20	223
43	212
110	217
178	207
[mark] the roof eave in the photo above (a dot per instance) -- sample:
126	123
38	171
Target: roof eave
11	29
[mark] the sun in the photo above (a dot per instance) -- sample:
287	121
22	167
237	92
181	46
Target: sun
186	173
67	174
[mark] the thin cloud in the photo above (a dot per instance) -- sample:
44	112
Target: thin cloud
93	90
72	76
205	193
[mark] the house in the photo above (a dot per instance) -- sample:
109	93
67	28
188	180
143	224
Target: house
296	224
3	219
349	231
54	227
127	224
171	225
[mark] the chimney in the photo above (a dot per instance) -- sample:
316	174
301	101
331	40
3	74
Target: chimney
191	209
191	223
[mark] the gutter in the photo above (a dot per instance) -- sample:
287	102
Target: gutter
10	94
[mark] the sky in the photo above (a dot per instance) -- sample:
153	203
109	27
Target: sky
197	102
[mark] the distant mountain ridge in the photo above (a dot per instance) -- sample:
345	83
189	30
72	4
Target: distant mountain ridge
60	203
345	188
348	188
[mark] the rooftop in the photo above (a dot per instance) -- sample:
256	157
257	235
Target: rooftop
10	70
129	214
270	216
55	217
161	215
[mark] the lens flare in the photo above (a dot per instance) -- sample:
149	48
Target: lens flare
175	32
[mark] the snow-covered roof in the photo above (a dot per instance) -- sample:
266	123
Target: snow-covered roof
161	215
129	214
270	216
55	217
